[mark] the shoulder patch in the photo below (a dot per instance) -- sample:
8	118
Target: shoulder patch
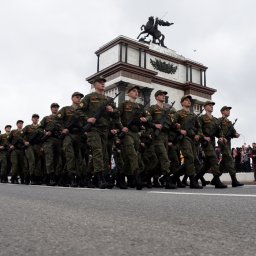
81	104
59	115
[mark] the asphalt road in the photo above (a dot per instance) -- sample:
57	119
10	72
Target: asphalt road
38	220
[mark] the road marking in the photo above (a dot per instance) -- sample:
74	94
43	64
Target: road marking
201	194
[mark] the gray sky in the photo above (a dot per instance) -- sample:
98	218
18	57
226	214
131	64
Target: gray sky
47	49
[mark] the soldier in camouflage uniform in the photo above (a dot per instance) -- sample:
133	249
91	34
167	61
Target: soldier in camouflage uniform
17	153
229	132
71	130
32	135
211	129
160	138
4	147
132	116
52	147
98	134
190	130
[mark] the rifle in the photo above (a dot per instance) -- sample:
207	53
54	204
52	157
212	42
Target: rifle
190	125
164	118
100	112
132	121
228	133
204	143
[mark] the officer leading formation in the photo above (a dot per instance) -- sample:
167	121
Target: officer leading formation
92	143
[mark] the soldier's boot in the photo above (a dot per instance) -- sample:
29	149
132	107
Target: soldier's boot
139	184
52	179
14	179
235	182
185	180
33	180
109	180
80	181
73	182
179	183
22	181
148	181
88	181
121	181
4	179
162	180
170	182
218	183
27	179
156	183
194	183
102	184
200	176
131	181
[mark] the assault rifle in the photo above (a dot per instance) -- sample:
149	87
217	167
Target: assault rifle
100	112
191	124
134	120
164	117
229	131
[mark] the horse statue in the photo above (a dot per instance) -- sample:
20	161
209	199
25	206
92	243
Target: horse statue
151	28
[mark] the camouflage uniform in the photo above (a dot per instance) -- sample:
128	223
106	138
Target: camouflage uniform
4	157
227	162
97	137
33	134
52	145
190	123
69	119
17	155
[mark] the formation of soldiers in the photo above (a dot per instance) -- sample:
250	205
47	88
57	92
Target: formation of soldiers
75	145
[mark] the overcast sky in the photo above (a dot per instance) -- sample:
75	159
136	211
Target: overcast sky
47	49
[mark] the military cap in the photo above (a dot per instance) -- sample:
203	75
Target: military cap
35	115
19	121
225	108
99	78
77	94
55	105
8	125
209	102
159	92
185	97
134	87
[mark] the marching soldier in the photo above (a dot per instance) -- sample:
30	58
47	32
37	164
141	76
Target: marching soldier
132	116
32	139
160	138
190	130
71	131
17	153
98	131
52	147
229	132
210	129
4	147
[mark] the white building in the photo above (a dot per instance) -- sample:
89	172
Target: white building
125	62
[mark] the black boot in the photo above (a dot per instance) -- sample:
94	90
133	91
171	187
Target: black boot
27	179
156	183
88	181
194	182
52	179
121	181
131	181
218	183
148	181
179	183
139	184
102	184
235	182
73	182
204	182
170	182
184	180
33	180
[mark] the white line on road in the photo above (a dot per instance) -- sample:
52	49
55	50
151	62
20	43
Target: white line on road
201	194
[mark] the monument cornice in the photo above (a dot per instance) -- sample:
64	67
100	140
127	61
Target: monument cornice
199	88
122	66
145	47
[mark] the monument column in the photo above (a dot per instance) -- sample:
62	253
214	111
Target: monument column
146	94
121	88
